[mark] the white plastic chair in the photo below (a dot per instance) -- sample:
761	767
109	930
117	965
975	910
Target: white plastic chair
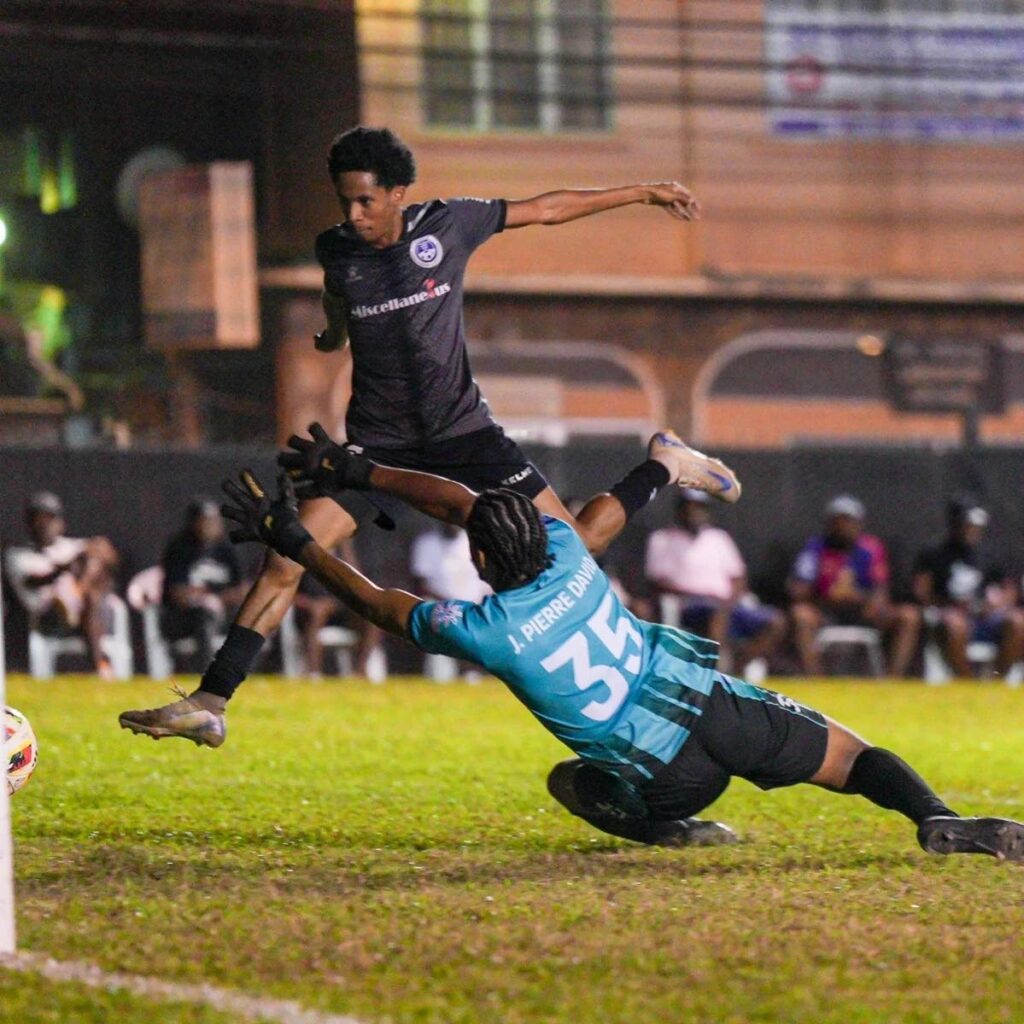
44	649
439	668
866	638
981	654
145	595
337	639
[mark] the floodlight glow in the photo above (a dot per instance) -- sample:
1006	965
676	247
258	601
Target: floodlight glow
870	345
3	231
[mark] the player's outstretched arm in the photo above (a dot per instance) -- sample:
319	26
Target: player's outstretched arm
322	467
564	205
276	524
386	607
435	496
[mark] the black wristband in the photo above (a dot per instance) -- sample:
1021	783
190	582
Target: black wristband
289	538
640	486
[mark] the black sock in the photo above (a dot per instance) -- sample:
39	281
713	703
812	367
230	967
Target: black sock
887	780
232	662
641	485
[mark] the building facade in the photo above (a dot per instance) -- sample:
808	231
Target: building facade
834	196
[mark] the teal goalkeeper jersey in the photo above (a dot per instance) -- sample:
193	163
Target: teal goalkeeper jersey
621	692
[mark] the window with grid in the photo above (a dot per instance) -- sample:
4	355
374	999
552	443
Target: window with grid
530	65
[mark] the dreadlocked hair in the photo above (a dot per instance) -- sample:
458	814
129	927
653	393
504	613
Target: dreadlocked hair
507	527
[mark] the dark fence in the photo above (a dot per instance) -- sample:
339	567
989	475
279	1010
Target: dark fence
137	499
784	494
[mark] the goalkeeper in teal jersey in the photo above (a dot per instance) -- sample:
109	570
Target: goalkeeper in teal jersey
657	729
621	693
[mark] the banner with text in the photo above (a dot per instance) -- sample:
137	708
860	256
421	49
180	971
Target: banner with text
896	69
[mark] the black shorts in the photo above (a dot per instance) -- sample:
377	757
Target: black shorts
481	460
764	737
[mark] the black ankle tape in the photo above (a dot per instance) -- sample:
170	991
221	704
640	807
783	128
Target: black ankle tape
640	486
232	662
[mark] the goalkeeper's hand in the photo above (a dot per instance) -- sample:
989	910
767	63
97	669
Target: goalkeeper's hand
321	467
274	523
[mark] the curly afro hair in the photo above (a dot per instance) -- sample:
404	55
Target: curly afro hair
375	150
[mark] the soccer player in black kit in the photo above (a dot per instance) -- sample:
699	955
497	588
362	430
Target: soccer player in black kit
393	290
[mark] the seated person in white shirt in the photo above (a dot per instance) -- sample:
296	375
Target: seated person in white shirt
443	570
62	582
700	564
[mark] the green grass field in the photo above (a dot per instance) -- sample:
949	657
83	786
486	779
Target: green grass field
391	853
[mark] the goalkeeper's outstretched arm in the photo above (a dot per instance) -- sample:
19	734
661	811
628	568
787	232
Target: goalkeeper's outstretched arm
386	607
321	466
435	496
275	522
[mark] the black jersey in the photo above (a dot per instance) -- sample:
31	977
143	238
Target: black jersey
959	572
411	382
213	567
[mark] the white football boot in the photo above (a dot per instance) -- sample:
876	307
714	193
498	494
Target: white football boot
691	468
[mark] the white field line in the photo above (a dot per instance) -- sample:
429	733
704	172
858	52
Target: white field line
243	1007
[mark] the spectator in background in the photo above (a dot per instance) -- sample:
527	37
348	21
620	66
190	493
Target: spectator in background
700	563
443	570
63	582
975	597
203	582
442	567
842	577
316	607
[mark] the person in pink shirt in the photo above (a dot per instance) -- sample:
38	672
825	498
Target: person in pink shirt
700	564
842	577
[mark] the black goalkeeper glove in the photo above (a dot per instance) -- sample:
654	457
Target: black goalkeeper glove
321	467
274	523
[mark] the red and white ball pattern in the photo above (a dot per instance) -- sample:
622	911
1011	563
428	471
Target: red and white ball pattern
20	749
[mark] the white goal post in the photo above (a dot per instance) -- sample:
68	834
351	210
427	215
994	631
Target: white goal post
7	939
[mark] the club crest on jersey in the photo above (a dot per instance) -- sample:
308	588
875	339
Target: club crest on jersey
426	252
445	613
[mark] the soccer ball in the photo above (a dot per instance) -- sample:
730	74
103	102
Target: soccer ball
20	749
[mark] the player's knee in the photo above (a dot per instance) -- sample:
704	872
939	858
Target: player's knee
279	572
561	784
327	522
589	793
842	750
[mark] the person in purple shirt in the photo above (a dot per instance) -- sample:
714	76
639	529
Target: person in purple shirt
842	577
